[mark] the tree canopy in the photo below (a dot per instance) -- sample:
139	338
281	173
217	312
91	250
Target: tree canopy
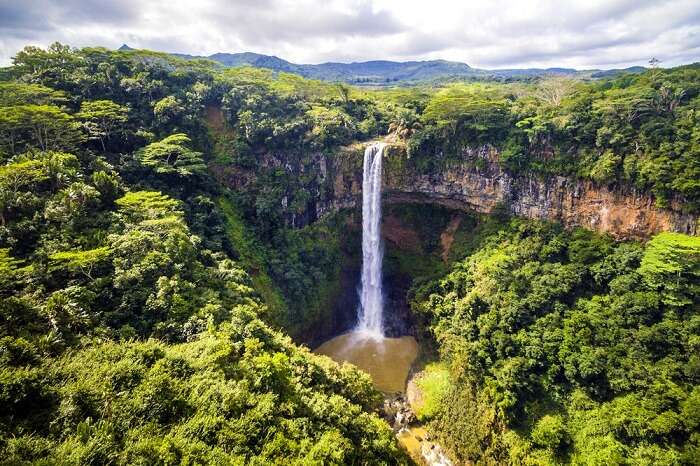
171	156
164	224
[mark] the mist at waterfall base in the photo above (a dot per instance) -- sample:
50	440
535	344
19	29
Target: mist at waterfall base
387	360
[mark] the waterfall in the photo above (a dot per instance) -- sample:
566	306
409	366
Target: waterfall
371	299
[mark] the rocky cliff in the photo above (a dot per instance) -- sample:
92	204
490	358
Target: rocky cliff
478	183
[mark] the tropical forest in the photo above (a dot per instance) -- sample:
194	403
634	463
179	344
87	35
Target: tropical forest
208	262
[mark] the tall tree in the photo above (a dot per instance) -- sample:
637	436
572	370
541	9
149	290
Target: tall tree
44	127
101	118
171	156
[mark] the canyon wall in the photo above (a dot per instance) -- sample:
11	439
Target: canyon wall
478	183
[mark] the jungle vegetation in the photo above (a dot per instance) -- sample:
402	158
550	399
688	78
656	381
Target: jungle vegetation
160	237
565	347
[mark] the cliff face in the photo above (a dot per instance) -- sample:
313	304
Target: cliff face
478	184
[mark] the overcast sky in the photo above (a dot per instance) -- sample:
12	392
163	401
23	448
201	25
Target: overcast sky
485	34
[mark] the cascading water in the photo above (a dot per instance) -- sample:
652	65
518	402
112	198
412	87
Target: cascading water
371	300
387	360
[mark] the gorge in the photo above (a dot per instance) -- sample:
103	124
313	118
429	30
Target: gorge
387	359
176	236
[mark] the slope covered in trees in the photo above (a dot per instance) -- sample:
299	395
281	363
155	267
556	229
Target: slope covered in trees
567	347
129	332
158	236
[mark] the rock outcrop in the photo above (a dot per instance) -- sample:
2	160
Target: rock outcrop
478	183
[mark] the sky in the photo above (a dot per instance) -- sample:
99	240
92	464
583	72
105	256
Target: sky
580	34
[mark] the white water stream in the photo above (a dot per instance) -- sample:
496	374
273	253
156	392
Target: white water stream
371	300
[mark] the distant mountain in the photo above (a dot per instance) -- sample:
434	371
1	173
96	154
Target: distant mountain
532	72
613	72
254	59
388	71
369	72
383	72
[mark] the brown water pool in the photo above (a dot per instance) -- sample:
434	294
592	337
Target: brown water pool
387	360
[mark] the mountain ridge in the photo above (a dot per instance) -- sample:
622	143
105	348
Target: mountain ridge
388	72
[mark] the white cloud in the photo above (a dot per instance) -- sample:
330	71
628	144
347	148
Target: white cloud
488	34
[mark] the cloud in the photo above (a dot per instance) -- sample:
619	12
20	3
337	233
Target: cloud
301	20
40	15
494	33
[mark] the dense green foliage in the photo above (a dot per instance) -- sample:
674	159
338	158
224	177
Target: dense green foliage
130	329
240	394
634	131
158	217
118	120
568	347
